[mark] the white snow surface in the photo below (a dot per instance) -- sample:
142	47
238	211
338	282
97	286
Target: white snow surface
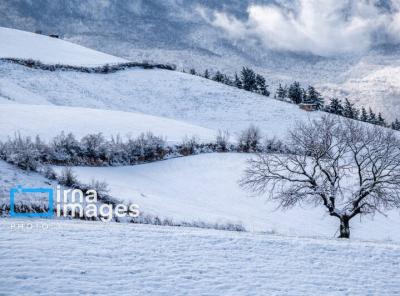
88	258
48	121
205	188
11	177
26	45
162	93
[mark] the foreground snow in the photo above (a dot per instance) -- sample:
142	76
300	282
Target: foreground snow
26	45
71	258
49	121
205	188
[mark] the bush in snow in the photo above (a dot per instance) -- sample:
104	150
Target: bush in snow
156	220
101	187
146	147
274	145
117	151
65	149
188	146
68	178
22	152
49	173
222	141
249	139
94	148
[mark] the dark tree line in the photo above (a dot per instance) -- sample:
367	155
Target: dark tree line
247	79
296	94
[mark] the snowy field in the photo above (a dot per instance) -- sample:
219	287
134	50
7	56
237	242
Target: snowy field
48	121
205	188
71	258
49	50
162	93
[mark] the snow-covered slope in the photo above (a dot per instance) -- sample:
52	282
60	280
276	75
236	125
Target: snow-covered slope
205	188
11	177
181	32
86	258
47	121
163	93
26	45
188	189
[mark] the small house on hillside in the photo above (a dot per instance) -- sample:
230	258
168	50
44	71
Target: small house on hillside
308	106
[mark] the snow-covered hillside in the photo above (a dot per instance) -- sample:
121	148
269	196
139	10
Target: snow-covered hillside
184	33
81	258
291	252
48	121
163	93
205	188
26	45
171	94
201	188
11	177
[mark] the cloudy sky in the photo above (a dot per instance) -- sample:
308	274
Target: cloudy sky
328	27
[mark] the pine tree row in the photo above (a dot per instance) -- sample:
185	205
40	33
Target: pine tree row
249	80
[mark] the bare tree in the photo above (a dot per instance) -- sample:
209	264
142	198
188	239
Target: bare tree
348	167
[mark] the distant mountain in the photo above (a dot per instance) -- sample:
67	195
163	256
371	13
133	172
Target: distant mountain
184	32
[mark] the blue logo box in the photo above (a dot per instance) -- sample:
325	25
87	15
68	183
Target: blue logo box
20	189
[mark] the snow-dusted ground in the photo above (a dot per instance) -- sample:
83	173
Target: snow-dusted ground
11	177
163	93
47	121
26	45
205	188
71	258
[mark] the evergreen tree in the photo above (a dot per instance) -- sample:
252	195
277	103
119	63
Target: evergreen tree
192	71
335	106
237	82
364	115
218	77
248	78
395	125
372	117
206	74
281	93
295	93
226	80
304	97
262	87
349	110
314	97
380	120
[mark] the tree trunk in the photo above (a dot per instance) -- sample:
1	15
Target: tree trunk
344	227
